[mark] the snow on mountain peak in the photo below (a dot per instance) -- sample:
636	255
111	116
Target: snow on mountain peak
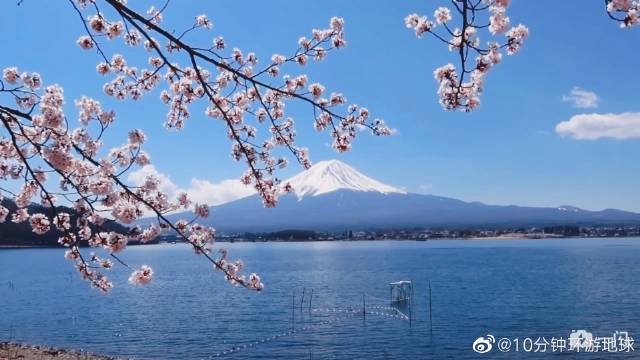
332	175
569	208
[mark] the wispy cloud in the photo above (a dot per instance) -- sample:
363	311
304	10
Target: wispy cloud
200	191
581	98
596	126
424	188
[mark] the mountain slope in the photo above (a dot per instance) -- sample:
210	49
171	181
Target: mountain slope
347	209
334	196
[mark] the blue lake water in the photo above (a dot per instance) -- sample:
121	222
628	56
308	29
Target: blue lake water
519	288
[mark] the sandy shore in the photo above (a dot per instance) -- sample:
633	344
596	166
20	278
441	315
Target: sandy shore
13	351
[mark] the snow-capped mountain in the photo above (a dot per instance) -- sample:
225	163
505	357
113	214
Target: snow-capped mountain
569	208
331	175
332	195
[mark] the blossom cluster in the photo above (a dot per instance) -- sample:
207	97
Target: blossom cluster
460	88
232	269
142	276
39	146
231	83
629	9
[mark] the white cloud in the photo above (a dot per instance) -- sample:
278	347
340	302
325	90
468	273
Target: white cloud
596	126
166	185
424	188
206	192
582	98
200	191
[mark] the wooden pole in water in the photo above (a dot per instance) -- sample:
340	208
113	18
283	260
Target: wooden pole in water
310	299
411	306
390	294
364	307
302	300
430	312
293	307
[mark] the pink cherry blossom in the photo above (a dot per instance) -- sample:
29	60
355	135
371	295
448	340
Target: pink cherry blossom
62	221
150	233
316	89
516	37
39	223
97	23
21	215
125	211
218	43
113	242
115	29
142	276
254	282
420	24
136	137
442	15
183	199
72	254
10	75
3	214
203	21
85	42
498	21
201	210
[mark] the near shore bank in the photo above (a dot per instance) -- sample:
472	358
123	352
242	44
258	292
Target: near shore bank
14	351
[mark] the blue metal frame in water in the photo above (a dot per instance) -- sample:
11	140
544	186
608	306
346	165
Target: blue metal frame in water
400	291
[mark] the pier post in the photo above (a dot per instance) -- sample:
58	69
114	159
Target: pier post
430	312
364	307
302	300
410	311
293	308
411	306
310	299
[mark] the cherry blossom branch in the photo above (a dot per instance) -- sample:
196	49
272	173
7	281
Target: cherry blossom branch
626	12
239	90
454	92
203	235
39	222
47	139
235	90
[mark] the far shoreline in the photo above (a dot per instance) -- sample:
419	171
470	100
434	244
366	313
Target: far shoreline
488	238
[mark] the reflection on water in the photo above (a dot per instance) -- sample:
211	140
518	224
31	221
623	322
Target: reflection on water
506	288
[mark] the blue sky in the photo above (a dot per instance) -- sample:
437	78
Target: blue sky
507	152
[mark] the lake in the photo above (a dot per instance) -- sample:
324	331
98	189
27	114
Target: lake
506	288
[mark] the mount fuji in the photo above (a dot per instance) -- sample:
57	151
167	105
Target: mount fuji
332	195
333	175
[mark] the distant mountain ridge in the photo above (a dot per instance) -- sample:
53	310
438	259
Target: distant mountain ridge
334	196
